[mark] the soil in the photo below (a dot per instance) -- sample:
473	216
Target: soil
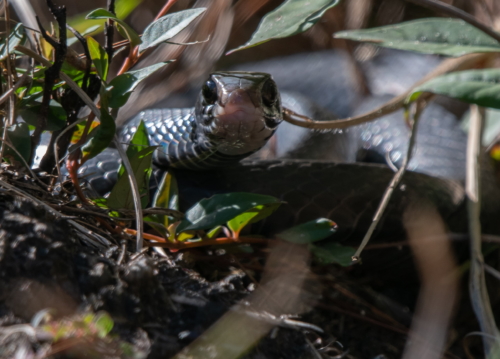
159	305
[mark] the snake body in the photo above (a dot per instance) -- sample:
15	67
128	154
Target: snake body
204	156
315	185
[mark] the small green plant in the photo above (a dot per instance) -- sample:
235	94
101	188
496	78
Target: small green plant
87	333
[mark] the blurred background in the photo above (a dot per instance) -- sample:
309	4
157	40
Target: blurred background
229	24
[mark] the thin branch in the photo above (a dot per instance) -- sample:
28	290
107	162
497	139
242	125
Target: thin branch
52	72
453	11
477	281
94	238
61	134
72	103
86	52
164	10
33	175
392	185
18	84
135	194
11	116
161	242
109	32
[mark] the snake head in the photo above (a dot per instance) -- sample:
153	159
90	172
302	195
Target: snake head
237	112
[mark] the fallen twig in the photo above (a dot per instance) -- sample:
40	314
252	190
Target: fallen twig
477	282
161	242
392	185
94	238
53	70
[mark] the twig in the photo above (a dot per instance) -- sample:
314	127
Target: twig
11	116
18	84
9	66
86	52
109	32
477	281
96	211
56	154
33	175
88	101
165	9
392	185
72	103
88	234
52	72
135	194
396	103
456	12
90	212
161	242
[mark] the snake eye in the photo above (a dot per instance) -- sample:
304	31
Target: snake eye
209	91
269	93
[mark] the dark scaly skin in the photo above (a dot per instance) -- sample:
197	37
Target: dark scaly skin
173	138
346	193
207	136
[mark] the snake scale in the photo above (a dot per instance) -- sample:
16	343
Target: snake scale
208	152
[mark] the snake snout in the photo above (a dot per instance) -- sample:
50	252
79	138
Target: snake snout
237	112
239	124
238	101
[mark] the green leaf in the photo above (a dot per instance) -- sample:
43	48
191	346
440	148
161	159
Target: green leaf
101	136
104	324
333	253
140	141
122	8
167	196
292	17
16	37
56	117
121	86
186	236
221	208
213	233
251	216
121	194
132	36
99	58
309	232
19	136
480	87
450	37
167	27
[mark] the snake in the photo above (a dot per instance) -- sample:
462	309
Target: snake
210	148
